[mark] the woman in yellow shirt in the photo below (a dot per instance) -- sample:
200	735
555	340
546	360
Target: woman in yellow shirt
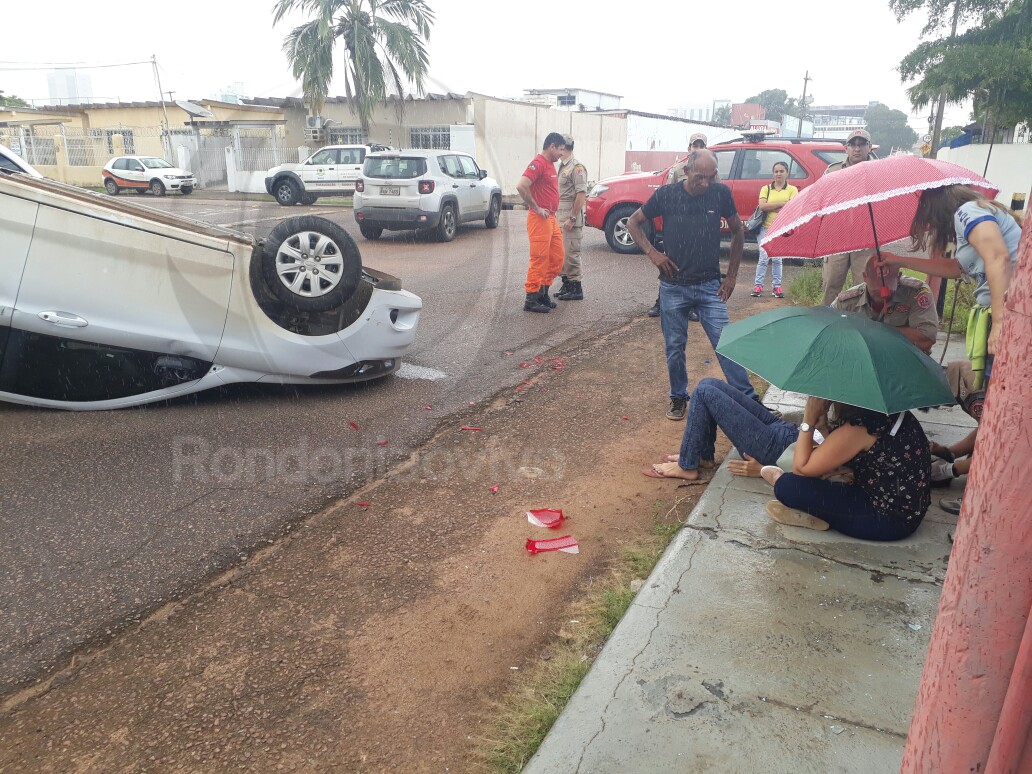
773	197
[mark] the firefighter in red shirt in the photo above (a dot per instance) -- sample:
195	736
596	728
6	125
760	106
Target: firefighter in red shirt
539	189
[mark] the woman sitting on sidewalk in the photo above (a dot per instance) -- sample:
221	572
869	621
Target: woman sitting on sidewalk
759	435
889	456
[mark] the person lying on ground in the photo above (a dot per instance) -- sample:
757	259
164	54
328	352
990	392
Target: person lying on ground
890	457
755	431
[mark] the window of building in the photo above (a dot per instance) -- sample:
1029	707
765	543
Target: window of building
566	99
430	137
128	142
348	135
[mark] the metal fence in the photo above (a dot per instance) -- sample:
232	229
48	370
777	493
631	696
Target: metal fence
259	148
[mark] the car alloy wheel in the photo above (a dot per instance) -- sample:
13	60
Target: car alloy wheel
494	213
618	235
111	187
287	193
311	263
446	228
157	188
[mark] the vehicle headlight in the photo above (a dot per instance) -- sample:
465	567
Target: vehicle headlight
598	190
170	177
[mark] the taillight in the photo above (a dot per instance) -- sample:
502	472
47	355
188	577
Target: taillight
426	186
360	185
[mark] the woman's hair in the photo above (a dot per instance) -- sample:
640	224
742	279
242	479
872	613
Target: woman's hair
774	166
932	227
840	413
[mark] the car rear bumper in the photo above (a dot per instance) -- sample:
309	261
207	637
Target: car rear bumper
396	218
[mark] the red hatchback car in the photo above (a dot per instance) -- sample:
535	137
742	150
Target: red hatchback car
745	166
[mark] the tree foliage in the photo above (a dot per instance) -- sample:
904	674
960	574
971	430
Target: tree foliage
941	12
950	133
12	101
722	115
889	128
384	43
991	63
776	103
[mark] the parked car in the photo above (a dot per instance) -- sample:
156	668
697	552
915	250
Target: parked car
105	303
427	190
12	162
146	173
330	171
743	165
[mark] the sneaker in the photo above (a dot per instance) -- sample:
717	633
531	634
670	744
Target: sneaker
942	473
654	309
951	506
782	514
678	407
757	291
693	315
778	292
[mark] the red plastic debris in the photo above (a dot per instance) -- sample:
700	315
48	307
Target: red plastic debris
526	365
546	517
626	419
467	427
382	443
495	488
362	505
538	358
353	425
567	544
558	366
428	408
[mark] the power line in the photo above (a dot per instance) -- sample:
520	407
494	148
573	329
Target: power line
69	67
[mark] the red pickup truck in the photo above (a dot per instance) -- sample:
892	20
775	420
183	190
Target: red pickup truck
743	165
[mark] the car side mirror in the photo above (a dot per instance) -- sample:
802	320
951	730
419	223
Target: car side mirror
483	174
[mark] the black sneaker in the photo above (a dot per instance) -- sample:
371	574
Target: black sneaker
654	310
693	315
950	506
678	407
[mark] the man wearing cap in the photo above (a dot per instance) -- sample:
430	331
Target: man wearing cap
858	149
910	308
573	193
676	174
539	189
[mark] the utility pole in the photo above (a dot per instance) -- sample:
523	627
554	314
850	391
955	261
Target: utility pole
802	102
941	107
166	144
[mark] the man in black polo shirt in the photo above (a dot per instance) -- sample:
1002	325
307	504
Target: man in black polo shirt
690	269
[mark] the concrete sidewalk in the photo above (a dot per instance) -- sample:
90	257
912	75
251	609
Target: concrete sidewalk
755	647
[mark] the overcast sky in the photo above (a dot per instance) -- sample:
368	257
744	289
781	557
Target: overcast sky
657	54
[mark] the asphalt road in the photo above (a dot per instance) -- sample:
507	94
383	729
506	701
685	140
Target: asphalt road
108	515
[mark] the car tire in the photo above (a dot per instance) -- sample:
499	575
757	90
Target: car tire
448	225
289	255
617	235
157	188
287	192
370	232
187	190
111	187
494	212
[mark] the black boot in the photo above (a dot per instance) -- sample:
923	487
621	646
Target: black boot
654	311
575	293
534	304
564	288
545	299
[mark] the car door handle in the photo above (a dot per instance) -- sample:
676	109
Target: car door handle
455	185
64	319
472	185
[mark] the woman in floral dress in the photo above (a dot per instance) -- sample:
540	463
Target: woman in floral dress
890	462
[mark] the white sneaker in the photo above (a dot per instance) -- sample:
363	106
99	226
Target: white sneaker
942	471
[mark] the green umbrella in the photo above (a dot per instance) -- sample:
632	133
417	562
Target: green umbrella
840	356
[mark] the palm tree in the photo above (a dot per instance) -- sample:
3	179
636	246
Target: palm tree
384	41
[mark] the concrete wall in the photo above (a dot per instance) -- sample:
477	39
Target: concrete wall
654	133
1010	166
509	134
385	127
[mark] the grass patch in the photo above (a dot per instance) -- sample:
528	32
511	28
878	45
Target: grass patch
524	716
807	289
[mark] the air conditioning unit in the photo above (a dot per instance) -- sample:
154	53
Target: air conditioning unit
313	122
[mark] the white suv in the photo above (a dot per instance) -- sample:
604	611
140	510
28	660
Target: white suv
426	190
330	171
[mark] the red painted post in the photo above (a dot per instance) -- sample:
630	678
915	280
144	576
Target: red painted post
974	706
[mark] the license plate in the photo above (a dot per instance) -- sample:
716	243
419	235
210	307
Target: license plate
390	190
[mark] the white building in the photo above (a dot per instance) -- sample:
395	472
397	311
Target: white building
837	121
69	87
572	99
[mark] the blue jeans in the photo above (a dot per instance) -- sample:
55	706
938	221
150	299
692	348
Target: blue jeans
751	427
675	301
761	264
846	507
